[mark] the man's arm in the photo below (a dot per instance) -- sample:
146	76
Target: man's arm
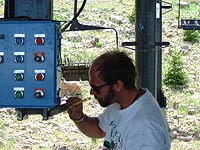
87	125
90	127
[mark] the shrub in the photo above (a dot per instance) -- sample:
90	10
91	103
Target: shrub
131	16
99	44
175	74
191	35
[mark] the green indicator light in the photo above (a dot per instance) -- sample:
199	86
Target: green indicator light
18	76
19	94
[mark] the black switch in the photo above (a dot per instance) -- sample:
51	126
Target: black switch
2	36
1	59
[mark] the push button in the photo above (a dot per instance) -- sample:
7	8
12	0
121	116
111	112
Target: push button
39	39
19	92
39	75
19	39
18	76
19	57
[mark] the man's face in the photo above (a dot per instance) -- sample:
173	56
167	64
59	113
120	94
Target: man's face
108	99
102	91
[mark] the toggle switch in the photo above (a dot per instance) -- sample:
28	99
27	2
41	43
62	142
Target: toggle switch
1	57
39	56
39	93
19	92
19	57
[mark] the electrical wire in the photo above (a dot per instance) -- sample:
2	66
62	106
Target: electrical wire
75	17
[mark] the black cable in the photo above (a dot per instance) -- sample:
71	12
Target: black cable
75	16
103	28
179	13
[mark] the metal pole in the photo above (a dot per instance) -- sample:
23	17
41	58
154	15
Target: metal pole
160	96
145	55
33	9
9	9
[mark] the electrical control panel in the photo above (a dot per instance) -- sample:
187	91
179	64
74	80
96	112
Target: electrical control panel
28	64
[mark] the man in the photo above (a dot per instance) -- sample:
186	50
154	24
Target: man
132	119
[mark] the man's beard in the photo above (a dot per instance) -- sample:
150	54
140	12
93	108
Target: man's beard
108	99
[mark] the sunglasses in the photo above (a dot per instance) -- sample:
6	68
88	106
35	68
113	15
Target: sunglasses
98	88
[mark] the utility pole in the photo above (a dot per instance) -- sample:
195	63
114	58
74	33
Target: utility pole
148	54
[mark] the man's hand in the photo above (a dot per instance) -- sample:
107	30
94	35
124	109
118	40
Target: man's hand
75	111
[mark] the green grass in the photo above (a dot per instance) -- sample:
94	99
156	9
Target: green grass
81	52
2	125
1	7
9	144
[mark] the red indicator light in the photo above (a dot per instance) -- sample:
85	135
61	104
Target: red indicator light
39	40
39	76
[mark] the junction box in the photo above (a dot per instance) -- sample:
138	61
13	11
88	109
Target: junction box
30	59
28	62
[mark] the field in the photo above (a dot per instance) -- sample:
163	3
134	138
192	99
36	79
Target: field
183	102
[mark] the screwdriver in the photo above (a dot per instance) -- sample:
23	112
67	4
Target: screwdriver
63	107
80	101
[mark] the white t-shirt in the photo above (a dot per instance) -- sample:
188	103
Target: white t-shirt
141	126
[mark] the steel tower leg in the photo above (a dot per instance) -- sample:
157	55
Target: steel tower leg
148	54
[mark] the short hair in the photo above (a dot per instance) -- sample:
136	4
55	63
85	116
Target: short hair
114	66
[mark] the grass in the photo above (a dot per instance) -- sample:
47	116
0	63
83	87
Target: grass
97	12
1	6
193	10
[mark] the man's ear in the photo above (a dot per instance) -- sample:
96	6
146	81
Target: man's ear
118	86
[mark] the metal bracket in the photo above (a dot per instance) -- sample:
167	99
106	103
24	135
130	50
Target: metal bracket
187	24
192	24
75	26
21	112
160	44
163	44
46	113
168	6
58	109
